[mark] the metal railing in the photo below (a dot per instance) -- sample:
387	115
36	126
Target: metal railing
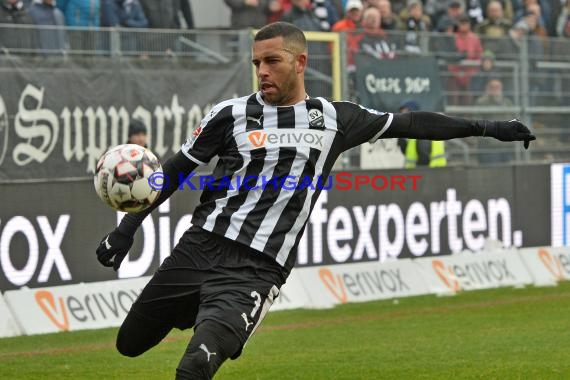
535	74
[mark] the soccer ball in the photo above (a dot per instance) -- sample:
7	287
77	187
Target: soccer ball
122	178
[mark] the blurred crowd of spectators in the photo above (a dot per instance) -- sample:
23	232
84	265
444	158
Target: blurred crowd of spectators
469	30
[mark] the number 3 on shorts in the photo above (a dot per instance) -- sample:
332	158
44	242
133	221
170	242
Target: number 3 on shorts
273	293
257	303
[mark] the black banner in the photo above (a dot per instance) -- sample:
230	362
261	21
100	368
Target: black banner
58	116
386	84
49	231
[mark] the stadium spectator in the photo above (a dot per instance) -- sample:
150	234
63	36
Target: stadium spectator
475	12
373	40
548	12
325	12
277	9
161	14
86	13
123	13
444	44
248	13
15	12
339	7
545	11
126	14
453	11
351	20
468	46
110	13
390	20
495	25
438	9
493	96
46	13
534	7
538	49
506	6
416	23
132	14
370	3
491	152
397	6
530	26
552	10
302	16
421	152
137	133
494	30
487	71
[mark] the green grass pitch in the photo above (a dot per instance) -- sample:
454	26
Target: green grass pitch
490	334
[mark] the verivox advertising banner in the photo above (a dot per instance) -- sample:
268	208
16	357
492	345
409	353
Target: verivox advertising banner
455	273
547	265
446	210
49	231
58	116
74	307
362	282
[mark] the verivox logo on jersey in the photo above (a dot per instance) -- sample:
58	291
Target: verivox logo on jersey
287	138
257	138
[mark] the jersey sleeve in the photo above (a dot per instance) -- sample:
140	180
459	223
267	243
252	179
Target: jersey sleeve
360	124
208	138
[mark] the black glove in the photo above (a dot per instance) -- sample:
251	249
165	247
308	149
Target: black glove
512	130
113	249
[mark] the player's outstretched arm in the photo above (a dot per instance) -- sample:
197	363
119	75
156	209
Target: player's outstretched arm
115	246
435	126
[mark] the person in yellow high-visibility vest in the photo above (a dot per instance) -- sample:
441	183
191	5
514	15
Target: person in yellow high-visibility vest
421	152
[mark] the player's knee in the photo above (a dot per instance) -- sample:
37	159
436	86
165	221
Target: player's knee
127	347
195	365
138	334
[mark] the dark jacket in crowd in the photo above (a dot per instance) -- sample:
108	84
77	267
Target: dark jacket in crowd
50	40
304	19
16	38
161	14
125	13
244	16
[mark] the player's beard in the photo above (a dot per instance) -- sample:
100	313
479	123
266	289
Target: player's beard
285	92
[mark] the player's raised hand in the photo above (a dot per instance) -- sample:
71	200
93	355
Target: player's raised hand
512	130
113	249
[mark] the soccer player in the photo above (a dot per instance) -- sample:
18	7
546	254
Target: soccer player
227	269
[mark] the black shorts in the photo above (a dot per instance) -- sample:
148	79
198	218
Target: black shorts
210	277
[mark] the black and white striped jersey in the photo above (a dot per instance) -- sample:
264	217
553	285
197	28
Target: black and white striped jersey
257	142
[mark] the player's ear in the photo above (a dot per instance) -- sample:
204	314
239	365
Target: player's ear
301	62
